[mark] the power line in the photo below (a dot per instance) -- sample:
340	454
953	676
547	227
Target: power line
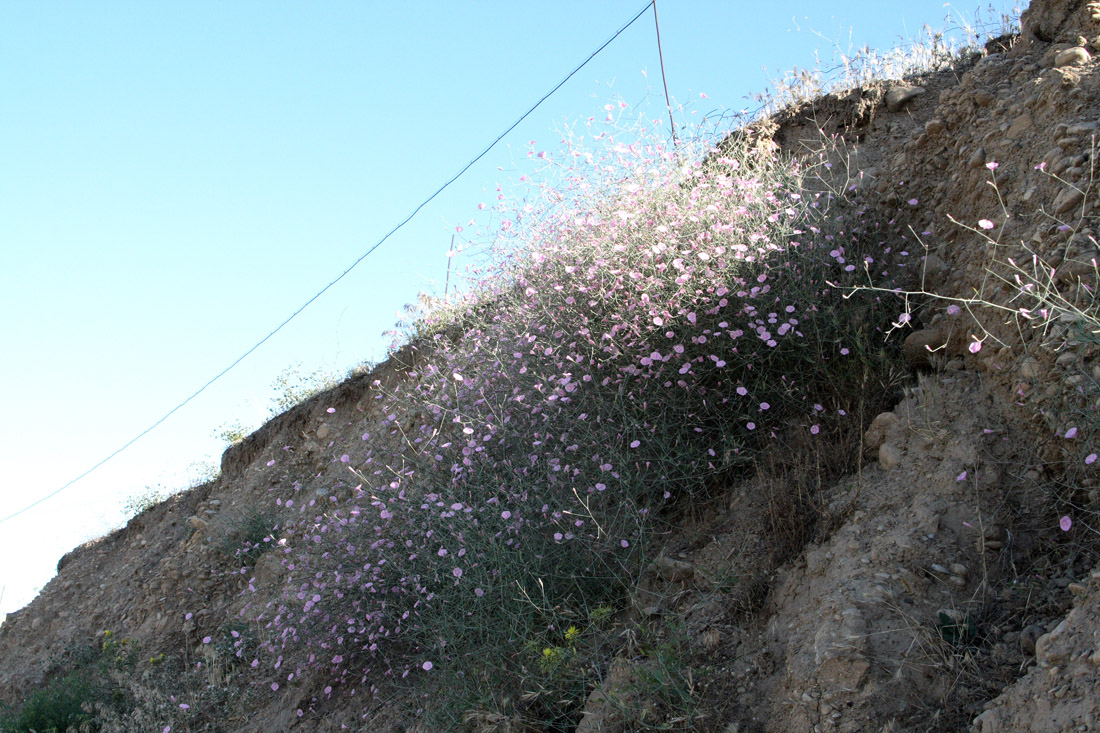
343	274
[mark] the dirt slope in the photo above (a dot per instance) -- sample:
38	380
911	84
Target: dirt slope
938	591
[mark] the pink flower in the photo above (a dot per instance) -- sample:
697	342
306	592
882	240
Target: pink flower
1071	433
975	346
992	165
331	410
1090	459
427	666
635	443
985	223
815	429
1065	523
457	572
961	476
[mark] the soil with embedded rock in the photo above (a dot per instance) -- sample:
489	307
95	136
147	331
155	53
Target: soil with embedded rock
936	591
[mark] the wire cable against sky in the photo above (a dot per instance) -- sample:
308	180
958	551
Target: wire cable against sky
343	274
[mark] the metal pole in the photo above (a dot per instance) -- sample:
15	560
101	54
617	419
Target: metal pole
661	56
447	282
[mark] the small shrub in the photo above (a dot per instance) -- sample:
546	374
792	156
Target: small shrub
251	537
54	709
232	433
149	497
293	387
69	700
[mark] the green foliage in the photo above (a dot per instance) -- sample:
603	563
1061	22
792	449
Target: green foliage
151	496
54	709
247	540
232	433
69	700
293	387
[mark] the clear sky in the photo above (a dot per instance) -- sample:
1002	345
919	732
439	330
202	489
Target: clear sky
178	178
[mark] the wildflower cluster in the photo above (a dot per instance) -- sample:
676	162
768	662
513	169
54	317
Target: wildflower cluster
647	328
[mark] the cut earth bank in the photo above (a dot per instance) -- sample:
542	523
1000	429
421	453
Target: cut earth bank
939	591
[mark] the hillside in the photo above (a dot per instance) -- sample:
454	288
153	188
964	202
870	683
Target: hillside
532	517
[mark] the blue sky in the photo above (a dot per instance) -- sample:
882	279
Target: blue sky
178	178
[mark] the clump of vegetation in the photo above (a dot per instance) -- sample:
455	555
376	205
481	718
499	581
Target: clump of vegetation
232	433
146	499
251	537
69	699
649	328
293	386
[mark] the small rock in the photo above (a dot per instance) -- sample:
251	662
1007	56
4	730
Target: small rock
1020	125
919	346
1067	199
196	523
1075	56
898	96
1045	654
674	571
1030	368
880	426
978	159
1028	637
1066	359
935	126
323	432
1078	266
888	457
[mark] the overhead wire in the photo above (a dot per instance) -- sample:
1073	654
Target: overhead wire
346	271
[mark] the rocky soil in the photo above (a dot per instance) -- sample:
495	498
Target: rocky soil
936	590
